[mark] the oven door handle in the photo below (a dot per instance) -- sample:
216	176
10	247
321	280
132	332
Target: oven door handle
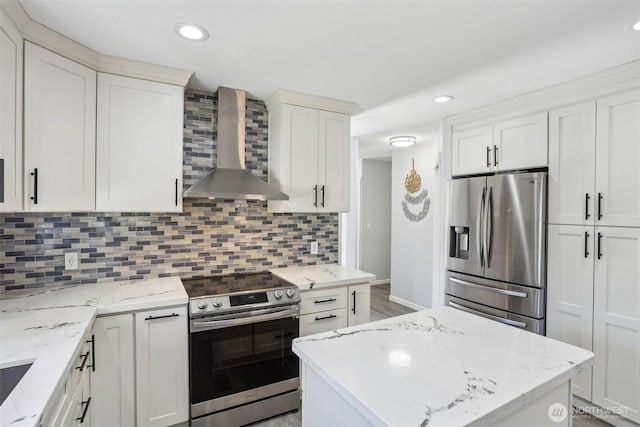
226	323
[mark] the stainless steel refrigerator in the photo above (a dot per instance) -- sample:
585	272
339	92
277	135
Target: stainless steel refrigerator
496	261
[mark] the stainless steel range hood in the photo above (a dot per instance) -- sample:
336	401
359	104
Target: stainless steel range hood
230	179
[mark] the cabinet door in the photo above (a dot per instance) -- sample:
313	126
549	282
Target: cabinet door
323	321
301	132
570	292
59	132
572	163
333	161
10	116
617	159
162	367
520	143
471	151
139	145
112	385
359	304
616	323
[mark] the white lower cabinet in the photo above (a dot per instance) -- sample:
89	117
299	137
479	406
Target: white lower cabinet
162	367
334	308
113	388
616	320
142	371
594	291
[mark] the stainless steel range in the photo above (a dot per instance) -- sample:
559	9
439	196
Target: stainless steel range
242	368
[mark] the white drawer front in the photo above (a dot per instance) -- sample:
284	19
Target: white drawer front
323	299
324	321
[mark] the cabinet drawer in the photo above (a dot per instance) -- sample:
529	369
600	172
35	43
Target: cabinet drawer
324	321
323	299
83	361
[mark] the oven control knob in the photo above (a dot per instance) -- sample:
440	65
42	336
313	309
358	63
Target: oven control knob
277	294
202	305
217	303
291	293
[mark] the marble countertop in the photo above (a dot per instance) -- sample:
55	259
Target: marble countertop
46	325
439	367
326	275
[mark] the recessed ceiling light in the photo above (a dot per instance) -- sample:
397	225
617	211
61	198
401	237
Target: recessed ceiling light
443	98
402	141
192	32
636	26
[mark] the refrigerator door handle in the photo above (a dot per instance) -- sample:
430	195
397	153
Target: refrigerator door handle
488	227
480	227
488	316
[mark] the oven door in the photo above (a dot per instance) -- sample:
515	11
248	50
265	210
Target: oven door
240	358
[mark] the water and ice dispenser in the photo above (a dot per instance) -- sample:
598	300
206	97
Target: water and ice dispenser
459	242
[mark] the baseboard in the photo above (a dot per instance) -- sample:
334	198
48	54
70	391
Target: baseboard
406	303
596	411
380	282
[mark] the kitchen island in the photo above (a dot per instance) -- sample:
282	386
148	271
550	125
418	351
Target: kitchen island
437	367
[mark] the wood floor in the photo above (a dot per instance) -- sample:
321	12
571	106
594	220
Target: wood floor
381	307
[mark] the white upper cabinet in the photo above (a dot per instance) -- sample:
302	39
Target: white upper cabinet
570	292
616	323
472	151
139	145
618	160
519	143
572	150
59	133
10	115
309	152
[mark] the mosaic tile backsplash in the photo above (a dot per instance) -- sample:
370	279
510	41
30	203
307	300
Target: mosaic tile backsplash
208	237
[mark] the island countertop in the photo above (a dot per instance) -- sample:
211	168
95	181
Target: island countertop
439	367
45	326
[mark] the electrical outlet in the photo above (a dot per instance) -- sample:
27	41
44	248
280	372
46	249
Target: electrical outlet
314	248
71	261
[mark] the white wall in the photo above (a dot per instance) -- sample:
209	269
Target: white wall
375	214
412	243
349	222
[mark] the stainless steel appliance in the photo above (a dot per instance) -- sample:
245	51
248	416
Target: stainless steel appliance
496	263
242	367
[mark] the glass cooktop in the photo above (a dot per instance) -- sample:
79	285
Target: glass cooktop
232	283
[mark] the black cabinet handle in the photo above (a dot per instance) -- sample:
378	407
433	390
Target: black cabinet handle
1	180
488	159
586	242
495	155
86	404
34	174
599	206
586	206
93	353
353	294
320	301
322	204
162	317
84	358
599	238
315	196
176	197
331	316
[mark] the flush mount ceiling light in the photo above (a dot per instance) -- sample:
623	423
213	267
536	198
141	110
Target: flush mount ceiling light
192	32
636	26
443	98
402	141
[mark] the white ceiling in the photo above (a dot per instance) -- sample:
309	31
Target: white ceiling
390	57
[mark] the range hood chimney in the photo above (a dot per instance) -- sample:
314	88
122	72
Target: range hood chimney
230	179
